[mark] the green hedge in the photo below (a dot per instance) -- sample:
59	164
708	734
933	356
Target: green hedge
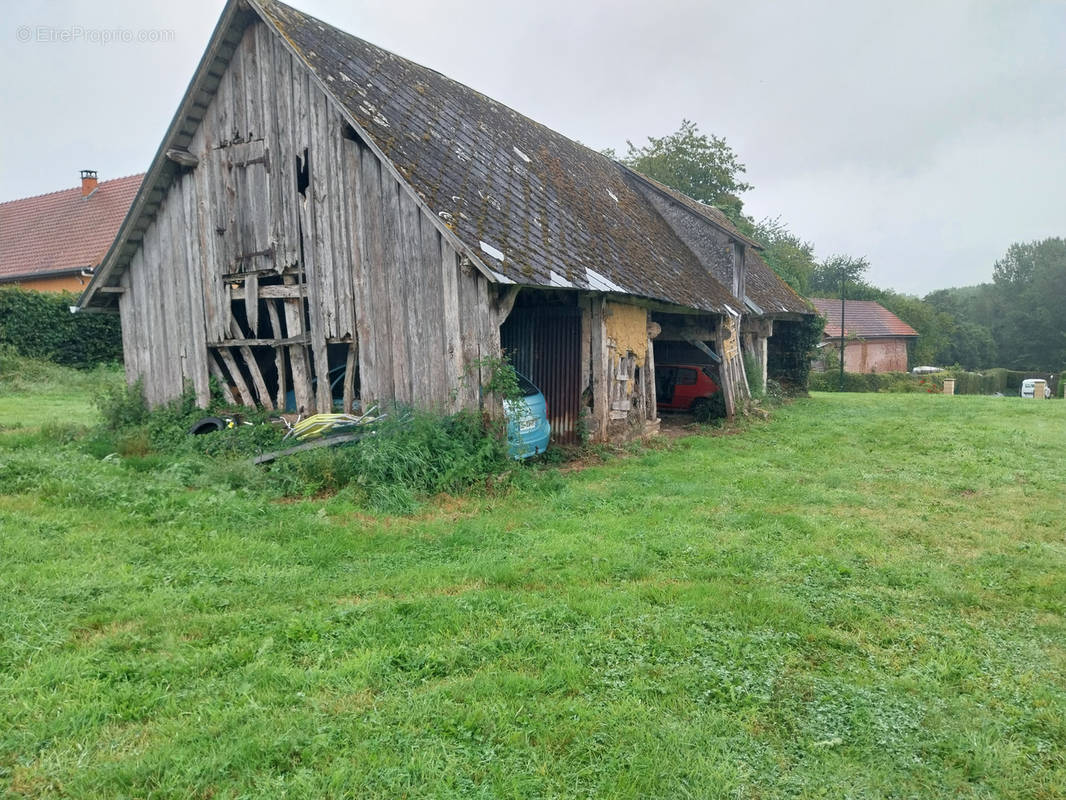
40	325
1002	381
993	381
877	382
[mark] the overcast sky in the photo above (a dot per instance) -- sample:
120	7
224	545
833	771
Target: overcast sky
927	136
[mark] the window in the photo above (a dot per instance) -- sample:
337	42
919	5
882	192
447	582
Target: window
686	377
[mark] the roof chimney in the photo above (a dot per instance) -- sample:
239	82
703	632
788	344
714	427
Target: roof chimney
88	182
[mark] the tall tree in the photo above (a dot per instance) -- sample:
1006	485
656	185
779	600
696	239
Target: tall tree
702	166
971	346
825	278
1030	328
785	253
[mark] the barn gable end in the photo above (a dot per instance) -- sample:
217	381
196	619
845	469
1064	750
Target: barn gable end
288	250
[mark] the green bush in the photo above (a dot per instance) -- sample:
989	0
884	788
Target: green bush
122	406
409	454
789	352
754	374
711	409
39	325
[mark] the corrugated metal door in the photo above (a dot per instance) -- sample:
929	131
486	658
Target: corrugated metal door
544	344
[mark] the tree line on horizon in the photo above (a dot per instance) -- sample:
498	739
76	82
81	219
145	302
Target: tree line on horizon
1017	321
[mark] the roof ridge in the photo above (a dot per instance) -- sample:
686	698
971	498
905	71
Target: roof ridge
714	212
443	76
99	185
39	196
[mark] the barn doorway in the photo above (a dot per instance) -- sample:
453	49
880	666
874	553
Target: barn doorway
543	342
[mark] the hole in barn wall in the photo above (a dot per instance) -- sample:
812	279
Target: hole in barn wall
303	172
352	135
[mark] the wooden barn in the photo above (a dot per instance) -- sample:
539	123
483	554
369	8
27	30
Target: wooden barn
322	207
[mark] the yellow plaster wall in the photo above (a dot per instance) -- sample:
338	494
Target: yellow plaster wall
627	328
65	283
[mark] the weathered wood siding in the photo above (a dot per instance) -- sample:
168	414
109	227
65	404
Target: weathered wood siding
347	258
620	370
162	311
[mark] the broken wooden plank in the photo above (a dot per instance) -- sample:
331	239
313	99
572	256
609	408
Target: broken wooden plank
238	379
182	157
251	303
253	369
329	441
268	292
288	341
702	347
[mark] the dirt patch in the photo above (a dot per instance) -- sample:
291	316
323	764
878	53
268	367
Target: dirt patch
97	631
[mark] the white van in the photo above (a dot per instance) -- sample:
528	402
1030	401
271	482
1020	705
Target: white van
1029	383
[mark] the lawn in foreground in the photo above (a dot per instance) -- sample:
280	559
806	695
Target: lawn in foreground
861	598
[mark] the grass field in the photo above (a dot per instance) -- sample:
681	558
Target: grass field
861	598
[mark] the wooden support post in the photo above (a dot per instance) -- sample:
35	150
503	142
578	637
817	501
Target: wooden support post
349	376
649	370
601	391
505	302
279	353
726	375
298	361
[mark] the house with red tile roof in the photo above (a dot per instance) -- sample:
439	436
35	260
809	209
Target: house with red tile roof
875	339
53	242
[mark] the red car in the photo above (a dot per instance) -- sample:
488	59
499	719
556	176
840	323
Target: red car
683	387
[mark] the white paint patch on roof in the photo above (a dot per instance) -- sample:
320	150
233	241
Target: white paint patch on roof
371	111
500	277
732	313
601	283
520	154
613	195
492	251
555	279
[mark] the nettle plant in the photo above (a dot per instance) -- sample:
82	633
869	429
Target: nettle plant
931	385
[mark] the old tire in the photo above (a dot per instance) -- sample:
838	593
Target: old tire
207	425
